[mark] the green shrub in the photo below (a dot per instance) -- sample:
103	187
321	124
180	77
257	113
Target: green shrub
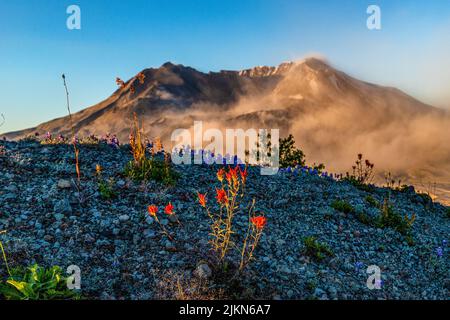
371	200
390	218
37	283
425	198
290	156
315	249
151	169
364	218
342	206
142	168
106	189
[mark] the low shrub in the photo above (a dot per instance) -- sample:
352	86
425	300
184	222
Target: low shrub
105	187
342	206
390	218
151	169
371	200
142	168
315	249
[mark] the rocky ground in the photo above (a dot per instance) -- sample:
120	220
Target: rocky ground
123	254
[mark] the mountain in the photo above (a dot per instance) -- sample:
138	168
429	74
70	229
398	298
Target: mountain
289	89
332	115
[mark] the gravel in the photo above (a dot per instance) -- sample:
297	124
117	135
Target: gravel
122	252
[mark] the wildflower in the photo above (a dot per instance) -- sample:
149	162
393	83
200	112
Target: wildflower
169	209
220	174
379	283
152	210
243	174
358	265
221	196
259	222
231	175
202	200
444	243
98	169
439	252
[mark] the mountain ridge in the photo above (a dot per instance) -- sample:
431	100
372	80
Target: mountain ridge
182	86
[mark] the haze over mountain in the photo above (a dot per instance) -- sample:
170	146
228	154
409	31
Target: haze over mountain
332	115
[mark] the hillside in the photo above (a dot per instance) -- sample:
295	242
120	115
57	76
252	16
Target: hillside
333	116
123	254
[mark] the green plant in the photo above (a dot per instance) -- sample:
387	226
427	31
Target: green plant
37	283
364	218
290	156
390	218
153	169
371	200
142	168
106	189
4	253
315	249
343	206
425	198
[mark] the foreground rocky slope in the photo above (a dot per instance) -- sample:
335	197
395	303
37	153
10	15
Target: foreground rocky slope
123	254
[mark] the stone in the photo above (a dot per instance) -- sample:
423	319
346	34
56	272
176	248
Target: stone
124	218
63	207
203	271
64	184
149	220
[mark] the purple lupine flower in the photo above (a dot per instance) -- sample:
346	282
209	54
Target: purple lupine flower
444	243
289	170
439	252
358	265
379	283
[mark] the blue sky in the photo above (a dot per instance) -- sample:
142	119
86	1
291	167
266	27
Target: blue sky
120	38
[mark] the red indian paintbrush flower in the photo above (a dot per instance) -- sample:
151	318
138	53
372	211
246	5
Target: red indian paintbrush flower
202	200
220	174
152	210
259	222
169	209
243	174
221	196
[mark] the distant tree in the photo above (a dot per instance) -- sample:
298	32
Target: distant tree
290	156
